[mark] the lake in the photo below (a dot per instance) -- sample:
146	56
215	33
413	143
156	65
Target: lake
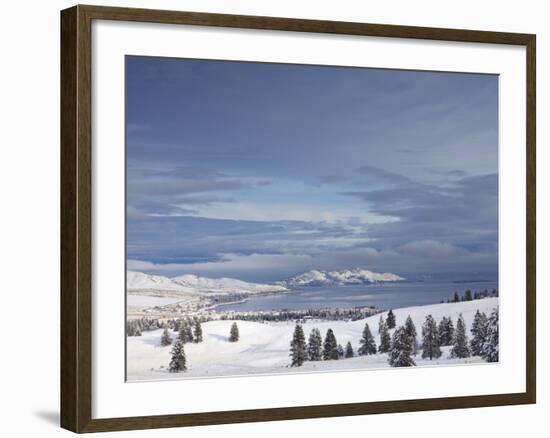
381	295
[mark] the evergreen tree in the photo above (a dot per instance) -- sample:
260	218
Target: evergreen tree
401	349
185	333
385	340
461	346
178	362
490	348
430	339
456	298
234	333
340	351
330	346
165	339
446	331
479	333
390	320
315	343
410	329
367	343
298	348
467	296
349	350
197	331
381	324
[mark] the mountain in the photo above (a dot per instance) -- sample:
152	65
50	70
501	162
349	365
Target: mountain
193	284
344	277
225	285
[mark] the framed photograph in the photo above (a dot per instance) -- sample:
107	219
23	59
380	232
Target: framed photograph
270	218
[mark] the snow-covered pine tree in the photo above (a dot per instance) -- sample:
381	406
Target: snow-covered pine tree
446	331
367	345
461	347
298	348
234	333
165	339
479	332
349	350
467	295
340	351
401	349
178	361
184	333
390	320
430	339
330	346
197	331
385	340
410	329
314	345
381	323
189	331
490	348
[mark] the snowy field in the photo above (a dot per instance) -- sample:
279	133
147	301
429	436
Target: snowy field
263	348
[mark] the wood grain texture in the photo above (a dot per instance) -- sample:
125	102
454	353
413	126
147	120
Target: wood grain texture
76	219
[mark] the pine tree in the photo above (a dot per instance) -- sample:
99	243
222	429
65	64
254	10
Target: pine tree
315	343
330	346
390	320
367	343
381	324
490	348
467	295
234	333
349	350
401	349
430	339
446	331
340	351
298	348
185	333
456	298
461	346
165	339
479	333
385	340
197	332
178	362
410	329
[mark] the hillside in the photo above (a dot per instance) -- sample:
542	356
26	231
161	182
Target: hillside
264	347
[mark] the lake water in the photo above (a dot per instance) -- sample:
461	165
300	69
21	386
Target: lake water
381	295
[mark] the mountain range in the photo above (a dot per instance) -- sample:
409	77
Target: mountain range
194	285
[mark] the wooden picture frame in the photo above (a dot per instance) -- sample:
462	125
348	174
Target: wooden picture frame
76	217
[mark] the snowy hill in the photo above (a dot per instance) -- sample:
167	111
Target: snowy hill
353	276
263	348
138	281
193	284
204	284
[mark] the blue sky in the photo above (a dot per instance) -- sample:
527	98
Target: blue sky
262	171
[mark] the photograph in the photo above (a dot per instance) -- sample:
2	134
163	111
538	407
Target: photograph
295	218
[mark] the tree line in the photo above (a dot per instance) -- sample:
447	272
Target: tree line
468	296
403	345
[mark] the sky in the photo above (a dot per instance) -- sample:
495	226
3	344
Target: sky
263	171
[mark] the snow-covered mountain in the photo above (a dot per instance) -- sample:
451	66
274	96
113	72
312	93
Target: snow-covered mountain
353	276
193	284
136	281
225	285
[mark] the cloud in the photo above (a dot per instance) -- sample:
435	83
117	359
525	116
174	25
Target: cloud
430	248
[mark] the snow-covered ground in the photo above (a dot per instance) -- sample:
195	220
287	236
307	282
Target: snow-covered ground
263	348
